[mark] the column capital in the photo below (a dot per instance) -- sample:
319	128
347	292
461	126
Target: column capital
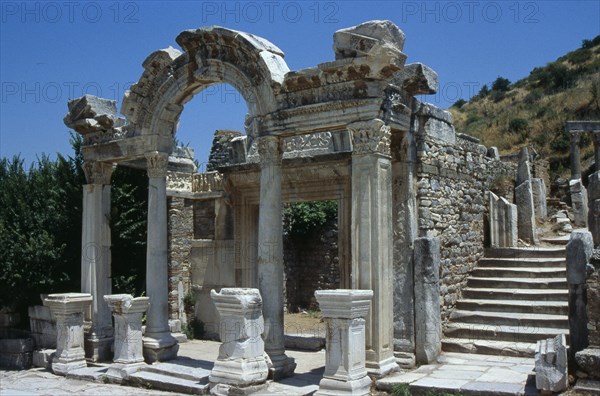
98	172
157	163
370	137
575	136
270	150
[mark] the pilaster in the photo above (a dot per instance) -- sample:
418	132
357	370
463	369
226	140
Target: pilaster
372	238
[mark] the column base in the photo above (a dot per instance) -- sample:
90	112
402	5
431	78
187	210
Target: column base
160	347
405	360
226	390
117	372
239	373
381	369
99	349
333	387
63	367
281	366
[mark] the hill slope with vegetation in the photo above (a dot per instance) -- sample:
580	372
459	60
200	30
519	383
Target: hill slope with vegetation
533	111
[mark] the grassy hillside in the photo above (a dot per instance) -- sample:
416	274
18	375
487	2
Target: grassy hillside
533	110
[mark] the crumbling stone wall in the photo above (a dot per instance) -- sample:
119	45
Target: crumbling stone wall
220	152
452	180
181	233
593	300
310	263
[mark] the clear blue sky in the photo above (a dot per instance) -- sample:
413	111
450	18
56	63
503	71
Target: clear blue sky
56	50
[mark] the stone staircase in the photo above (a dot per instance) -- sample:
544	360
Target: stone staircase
515	297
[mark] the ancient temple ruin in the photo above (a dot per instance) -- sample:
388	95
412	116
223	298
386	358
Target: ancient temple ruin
414	201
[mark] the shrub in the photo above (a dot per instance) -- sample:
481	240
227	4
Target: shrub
518	125
459	103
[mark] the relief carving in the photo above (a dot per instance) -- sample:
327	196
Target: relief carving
98	172
157	164
370	137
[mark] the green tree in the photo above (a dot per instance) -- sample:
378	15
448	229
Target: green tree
501	84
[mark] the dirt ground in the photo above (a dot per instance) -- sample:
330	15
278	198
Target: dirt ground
305	323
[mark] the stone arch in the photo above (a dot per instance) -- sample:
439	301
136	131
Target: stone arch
213	55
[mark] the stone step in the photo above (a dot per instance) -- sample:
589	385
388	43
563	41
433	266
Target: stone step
510	262
478	331
493	293
489	347
522	272
518	319
518	283
531	252
522	306
169	383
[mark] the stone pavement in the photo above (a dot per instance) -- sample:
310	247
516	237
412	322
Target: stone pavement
197	355
469	374
40	381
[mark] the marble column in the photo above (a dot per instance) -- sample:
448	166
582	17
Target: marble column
344	312
68	310
159	344
128	356
372	238
96	258
270	256
575	138
241	367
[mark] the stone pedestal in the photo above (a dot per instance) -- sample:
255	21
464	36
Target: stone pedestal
241	367
372	238
579	203
159	344
68	310
344	312
96	258
270	256
128	356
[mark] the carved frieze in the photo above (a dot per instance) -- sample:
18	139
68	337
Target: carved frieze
157	164
207	182
179	181
370	137
98	172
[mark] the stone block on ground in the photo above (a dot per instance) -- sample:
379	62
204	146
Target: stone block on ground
588	361
551	365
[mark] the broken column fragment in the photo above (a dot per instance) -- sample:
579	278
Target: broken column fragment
241	365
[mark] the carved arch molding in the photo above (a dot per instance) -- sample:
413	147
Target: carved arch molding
213	55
